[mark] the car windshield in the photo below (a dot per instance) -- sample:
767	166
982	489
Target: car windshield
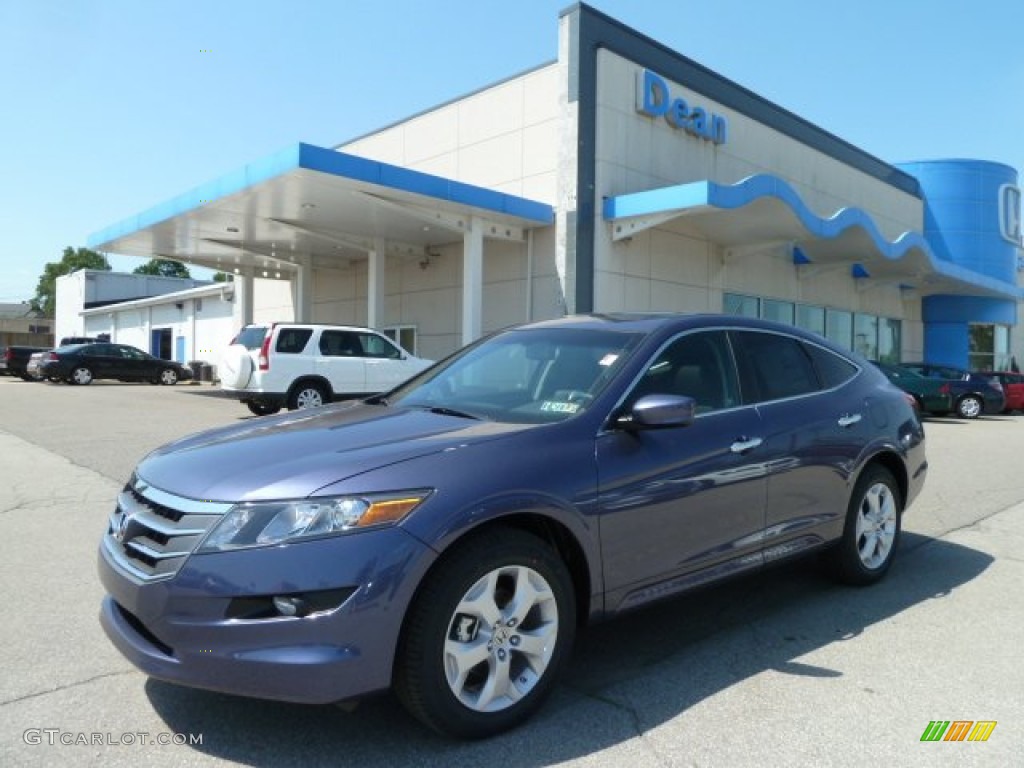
525	376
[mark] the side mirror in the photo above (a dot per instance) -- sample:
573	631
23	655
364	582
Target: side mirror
659	412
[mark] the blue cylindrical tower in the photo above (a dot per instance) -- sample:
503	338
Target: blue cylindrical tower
962	209
961	214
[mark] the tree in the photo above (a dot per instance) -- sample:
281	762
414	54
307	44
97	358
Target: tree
73	260
222	277
163	268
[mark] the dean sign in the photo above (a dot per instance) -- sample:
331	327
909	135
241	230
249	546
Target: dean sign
654	99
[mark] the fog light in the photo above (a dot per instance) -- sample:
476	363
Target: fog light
291	606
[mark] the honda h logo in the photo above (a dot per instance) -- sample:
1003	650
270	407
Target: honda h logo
1009	213
122	527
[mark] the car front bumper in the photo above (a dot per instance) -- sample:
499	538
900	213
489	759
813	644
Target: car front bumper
204	627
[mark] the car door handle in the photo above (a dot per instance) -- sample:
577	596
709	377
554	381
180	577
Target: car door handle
744	444
849	419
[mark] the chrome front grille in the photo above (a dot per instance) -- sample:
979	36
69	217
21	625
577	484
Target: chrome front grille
151	532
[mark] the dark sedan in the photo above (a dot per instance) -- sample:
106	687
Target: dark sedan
448	537
973	393
932	395
82	363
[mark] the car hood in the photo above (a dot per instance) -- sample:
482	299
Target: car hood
295	454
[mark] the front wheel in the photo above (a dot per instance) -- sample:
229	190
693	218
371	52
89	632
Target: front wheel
168	377
80	375
872	529
969	407
487	635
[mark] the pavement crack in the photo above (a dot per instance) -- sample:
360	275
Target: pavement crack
929	539
59	688
634	718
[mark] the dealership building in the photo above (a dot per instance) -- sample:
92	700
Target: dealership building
622	176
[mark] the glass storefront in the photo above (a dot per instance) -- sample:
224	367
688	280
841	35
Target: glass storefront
989	347
877	338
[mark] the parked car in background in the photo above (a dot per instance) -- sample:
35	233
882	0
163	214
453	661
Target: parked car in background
447	537
67	341
14	360
973	393
34	368
304	365
83	363
1013	388
932	395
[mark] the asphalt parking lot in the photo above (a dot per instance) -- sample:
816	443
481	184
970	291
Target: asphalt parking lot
783	669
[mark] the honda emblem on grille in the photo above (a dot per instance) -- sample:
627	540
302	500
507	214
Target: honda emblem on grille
122	526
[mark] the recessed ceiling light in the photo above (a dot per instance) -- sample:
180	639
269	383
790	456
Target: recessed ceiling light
232	229
309	206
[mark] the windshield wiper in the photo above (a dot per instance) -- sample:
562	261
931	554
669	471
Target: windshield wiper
441	410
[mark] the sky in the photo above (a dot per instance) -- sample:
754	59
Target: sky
109	107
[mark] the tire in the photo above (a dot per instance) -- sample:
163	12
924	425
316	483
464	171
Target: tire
168	377
472	661
80	375
262	409
307	395
969	407
872	530
236	367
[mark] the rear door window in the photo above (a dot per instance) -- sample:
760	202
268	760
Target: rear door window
773	366
340	344
832	369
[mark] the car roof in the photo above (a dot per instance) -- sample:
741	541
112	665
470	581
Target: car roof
651	322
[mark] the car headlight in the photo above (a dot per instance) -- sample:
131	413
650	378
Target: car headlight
261	524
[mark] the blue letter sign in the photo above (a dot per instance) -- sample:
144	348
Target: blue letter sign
1009	213
654	100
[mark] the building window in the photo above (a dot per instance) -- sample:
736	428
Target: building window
865	336
404	335
877	338
779	311
811	318
989	347
890	340
737	304
839	328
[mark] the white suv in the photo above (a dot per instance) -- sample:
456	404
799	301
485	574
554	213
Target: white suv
302	365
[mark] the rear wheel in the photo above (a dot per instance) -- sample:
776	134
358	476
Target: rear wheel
872	530
262	409
487	635
80	375
307	396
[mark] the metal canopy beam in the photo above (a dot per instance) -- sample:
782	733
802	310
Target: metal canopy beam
355	242
459	223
